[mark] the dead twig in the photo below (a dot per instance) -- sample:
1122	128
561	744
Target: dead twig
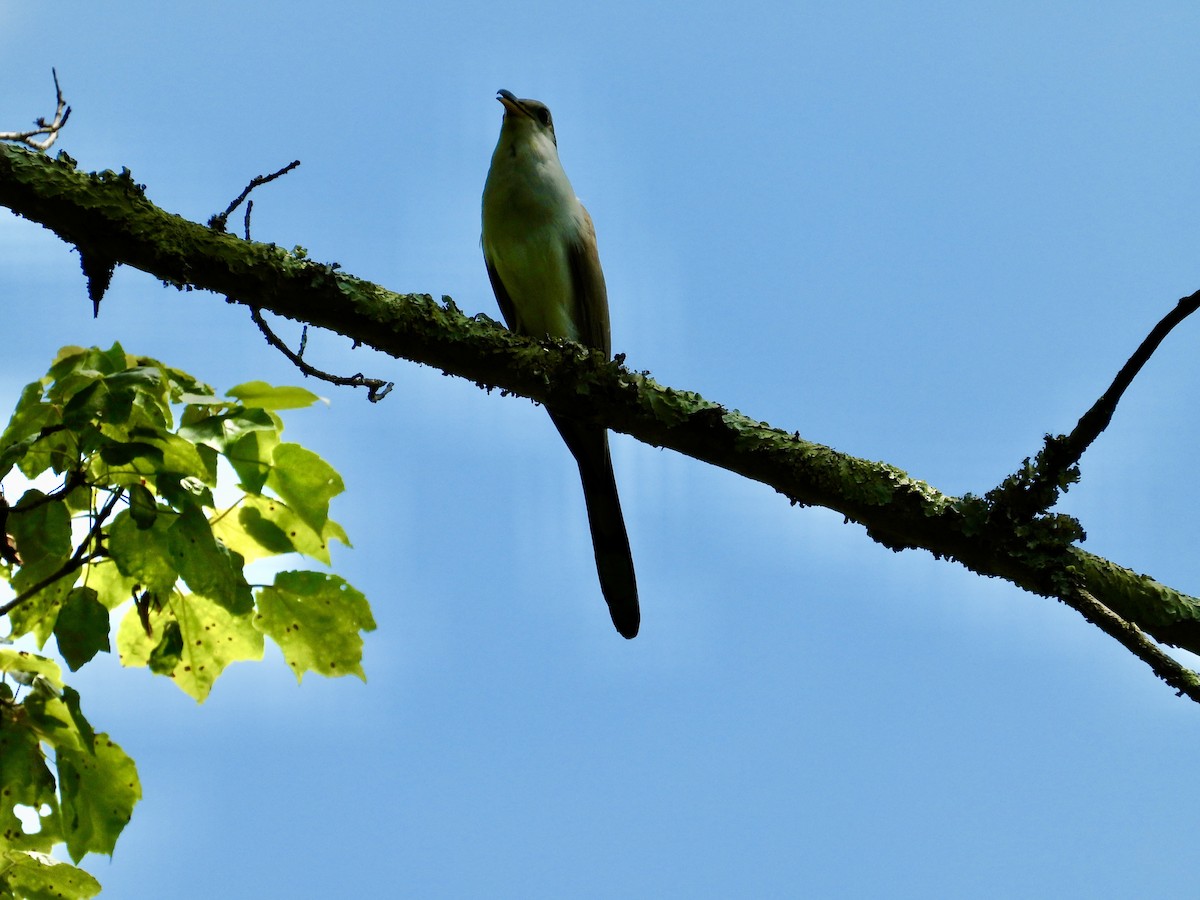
377	388
49	129
218	222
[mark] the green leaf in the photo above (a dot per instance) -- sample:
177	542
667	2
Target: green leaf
13	662
316	619
142	507
168	651
181	492
25	430
98	792
42	534
212	638
252	457
305	482
111	586
39	876
142	457
70	699
263	526
143	553
25	780
220	431
206	565
82	627
263	396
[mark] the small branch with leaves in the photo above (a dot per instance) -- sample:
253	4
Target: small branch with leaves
89	550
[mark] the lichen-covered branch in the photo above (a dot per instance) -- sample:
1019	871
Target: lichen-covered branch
108	215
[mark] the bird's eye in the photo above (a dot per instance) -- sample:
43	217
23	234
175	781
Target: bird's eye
544	116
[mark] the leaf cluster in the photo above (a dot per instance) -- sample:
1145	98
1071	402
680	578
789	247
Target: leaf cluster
135	536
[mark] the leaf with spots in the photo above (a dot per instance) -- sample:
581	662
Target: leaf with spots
98	791
317	621
210	638
263	526
39	876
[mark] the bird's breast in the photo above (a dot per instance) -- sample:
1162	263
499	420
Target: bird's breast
530	218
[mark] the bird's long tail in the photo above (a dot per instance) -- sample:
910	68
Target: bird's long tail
614	562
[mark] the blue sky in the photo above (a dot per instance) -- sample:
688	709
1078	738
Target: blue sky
924	233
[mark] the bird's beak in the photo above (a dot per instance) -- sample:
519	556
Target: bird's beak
511	103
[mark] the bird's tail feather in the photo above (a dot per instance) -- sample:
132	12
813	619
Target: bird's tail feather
614	561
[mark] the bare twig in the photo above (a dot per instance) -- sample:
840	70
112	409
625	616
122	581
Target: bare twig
78	560
219	221
377	388
61	113
1096	419
1054	468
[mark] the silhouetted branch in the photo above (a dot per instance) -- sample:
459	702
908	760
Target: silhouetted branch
219	221
1055	466
377	388
78	560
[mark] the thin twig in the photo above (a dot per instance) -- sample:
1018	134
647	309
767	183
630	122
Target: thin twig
78	560
1063	453
75	478
1096	419
51	129
217	222
1182	679
377	388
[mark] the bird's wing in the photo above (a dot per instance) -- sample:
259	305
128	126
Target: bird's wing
507	309
591	296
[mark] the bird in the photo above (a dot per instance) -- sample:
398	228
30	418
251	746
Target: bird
539	245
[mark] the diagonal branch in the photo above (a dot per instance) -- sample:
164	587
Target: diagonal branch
1096	419
111	215
1035	488
1184	680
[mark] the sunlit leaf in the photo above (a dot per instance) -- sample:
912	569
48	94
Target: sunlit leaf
98	791
206	565
39	876
211	638
264	396
305	482
317	621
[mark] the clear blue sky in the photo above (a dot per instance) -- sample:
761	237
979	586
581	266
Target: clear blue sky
925	233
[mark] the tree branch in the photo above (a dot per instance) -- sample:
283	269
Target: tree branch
109	214
78	560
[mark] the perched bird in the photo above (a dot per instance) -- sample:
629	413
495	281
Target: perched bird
540	248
